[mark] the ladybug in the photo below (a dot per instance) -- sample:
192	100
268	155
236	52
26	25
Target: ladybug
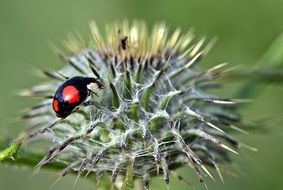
72	93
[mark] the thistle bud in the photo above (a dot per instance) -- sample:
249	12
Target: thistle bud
148	114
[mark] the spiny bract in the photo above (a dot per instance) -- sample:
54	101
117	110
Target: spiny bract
152	116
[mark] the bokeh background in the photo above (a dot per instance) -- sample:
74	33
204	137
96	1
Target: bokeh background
245	29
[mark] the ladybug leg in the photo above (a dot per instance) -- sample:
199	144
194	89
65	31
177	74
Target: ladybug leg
91	103
75	110
95	104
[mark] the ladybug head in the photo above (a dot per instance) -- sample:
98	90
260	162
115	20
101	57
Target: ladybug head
94	84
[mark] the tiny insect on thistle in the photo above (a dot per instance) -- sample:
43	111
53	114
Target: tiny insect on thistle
72	93
134	105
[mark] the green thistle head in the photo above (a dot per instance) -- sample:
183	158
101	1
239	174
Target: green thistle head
152	116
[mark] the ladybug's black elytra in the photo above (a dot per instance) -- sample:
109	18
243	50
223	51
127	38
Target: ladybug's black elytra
72	93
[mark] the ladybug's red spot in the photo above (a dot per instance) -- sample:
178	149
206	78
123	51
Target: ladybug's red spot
71	94
56	105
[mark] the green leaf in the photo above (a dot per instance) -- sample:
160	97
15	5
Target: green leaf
11	151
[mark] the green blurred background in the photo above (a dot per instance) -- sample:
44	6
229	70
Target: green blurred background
245	29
